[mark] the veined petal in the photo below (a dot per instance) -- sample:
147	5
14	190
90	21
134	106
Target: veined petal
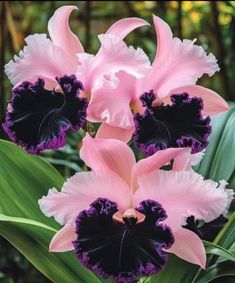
189	247
113	56
112	105
40	58
124	26
60	33
155	162
183	194
108	155
106	131
80	191
63	239
213	103
180	62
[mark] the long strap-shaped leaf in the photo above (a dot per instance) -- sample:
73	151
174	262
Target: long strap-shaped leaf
217	250
218	270
225	239
23	180
219	160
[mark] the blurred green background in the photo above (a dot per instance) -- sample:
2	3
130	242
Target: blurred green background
211	22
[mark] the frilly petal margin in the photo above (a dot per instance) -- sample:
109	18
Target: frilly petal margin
213	102
123	252
113	56
80	190
38	119
177	62
40	58
180	124
184	194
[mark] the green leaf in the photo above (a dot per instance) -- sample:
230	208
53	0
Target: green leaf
219	160
176	270
226	237
32	239
214	249
23	180
221	269
66	163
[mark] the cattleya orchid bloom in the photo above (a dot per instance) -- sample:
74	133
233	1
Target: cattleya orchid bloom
40	103
175	70
122	218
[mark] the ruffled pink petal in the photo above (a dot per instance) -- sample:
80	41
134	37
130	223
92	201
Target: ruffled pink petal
123	27
113	105
106	155
213	103
80	191
113	56
183	194
154	162
189	247
39	58
111	109
63	239
177	63
106	131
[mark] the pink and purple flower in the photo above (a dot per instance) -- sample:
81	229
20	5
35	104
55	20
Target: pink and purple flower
175	70
44	60
122	207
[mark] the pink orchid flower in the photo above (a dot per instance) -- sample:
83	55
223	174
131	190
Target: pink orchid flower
44	63
123	209
175	70
50	58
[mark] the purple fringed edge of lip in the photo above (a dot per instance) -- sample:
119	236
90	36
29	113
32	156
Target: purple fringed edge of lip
143	270
147	98
55	142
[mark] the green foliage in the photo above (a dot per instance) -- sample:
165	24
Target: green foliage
32	239
66	159
23	180
218	270
219	160
214	249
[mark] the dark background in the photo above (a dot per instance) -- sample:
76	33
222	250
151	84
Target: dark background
212	23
